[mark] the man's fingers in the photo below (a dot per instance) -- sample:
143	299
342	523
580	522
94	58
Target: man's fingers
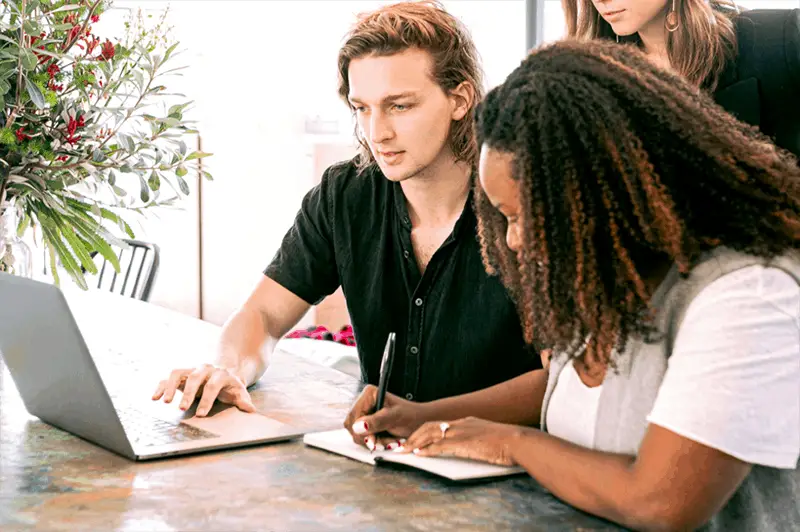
172	383
211	390
245	403
196	379
159	390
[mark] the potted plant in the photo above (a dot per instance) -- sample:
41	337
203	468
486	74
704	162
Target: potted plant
80	119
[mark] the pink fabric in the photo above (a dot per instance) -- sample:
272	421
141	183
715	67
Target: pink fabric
318	332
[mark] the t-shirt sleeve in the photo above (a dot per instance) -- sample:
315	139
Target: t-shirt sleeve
305	263
733	379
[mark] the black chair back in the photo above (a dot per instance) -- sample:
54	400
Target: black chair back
138	267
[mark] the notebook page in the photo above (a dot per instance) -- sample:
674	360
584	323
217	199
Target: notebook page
340	442
452	468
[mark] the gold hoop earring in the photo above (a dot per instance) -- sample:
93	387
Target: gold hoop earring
672	23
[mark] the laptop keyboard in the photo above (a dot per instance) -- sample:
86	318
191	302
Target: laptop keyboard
148	430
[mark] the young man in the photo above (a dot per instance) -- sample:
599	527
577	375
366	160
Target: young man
394	227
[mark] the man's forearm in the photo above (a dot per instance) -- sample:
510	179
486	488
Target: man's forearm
517	401
245	345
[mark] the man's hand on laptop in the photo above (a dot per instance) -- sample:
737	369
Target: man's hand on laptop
208	382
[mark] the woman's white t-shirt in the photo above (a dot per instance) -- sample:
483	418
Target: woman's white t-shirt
732	381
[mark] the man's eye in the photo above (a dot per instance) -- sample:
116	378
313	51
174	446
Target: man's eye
400	107
359	108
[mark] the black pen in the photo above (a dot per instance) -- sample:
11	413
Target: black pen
386	370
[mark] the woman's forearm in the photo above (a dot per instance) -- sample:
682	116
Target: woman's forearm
603	484
517	401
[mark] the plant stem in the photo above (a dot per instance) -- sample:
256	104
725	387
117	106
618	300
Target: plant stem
2	192
13	114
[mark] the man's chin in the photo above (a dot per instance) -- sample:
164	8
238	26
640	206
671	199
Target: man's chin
394	174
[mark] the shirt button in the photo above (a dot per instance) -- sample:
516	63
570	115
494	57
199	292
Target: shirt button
405	253
414	350
418	302
409	396
406	220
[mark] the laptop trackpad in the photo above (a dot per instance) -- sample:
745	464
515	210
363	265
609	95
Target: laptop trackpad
230	422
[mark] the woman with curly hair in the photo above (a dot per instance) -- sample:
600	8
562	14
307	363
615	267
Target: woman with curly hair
748	60
649	239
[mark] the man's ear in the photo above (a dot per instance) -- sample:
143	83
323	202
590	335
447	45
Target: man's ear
463	99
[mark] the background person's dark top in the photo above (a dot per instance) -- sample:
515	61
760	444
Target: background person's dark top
457	330
762	86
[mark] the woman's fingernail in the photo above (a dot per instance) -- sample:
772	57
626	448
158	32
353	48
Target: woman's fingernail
401	440
360	427
201	411
392	445
379	447
401	448
416	451
370	444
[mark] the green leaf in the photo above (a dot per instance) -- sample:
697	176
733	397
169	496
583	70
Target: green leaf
79	248
144	192
62	27
119	191
29	60
53	268
182	149
126	142
181	171
112	178
31	28
184	186
155	181
68	261
100	239
112	216
24	223
4	86
169	52
36	95
70	7
198	155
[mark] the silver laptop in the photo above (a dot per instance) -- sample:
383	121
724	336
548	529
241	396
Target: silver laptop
60	384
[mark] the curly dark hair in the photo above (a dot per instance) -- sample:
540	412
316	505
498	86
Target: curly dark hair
621	167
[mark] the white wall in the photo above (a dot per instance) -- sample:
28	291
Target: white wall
259	71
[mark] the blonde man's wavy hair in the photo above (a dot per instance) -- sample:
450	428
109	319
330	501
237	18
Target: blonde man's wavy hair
425	26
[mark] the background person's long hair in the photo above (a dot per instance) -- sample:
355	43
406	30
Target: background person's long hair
699	49
622	168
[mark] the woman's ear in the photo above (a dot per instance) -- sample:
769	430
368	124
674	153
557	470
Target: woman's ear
463	98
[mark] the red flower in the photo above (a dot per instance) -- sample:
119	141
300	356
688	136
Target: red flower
91	44
95	19
107	51
53	70
74	124
62	158
73	33
21	135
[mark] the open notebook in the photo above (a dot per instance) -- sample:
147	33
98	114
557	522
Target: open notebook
457	469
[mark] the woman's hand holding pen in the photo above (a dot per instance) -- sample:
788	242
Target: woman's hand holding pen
398	418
